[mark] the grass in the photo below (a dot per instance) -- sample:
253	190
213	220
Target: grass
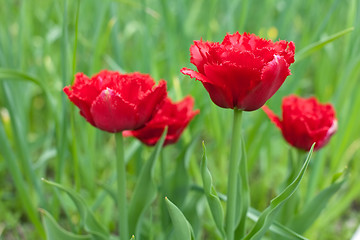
44	136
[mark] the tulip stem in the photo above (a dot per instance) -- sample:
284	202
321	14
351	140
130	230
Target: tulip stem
235	156
121	188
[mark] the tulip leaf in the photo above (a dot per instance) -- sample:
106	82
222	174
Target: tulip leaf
182	228
303	53
314	208
276	227
89	221
268	215
145	189
55	232
211	195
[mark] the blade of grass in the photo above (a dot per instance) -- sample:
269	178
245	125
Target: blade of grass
305	52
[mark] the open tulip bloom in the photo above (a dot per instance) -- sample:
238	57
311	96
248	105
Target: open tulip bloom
305	121
243	71
114	102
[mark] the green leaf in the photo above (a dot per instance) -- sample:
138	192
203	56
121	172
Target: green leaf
145	189
314	208
55	232
89	221
268	215
211	195
303	53
182	228
276	227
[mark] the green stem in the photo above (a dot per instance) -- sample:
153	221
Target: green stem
121	187
235	156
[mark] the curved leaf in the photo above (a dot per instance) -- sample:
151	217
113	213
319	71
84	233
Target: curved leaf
268	215
55	232
314	208
276	227
90	223
211	195
182	228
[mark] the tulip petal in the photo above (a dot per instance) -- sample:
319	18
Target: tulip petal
135	86
272	77
176	116
83	105
200	54
151	102
236	83
219	94
111	113
331	131
274	118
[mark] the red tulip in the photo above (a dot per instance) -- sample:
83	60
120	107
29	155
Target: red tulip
114	102
174	115
243	71
305	121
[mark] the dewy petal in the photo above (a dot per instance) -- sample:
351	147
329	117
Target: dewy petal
112	114
273	76
219	94
274	118
151	102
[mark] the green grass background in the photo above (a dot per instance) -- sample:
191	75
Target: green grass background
45	40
